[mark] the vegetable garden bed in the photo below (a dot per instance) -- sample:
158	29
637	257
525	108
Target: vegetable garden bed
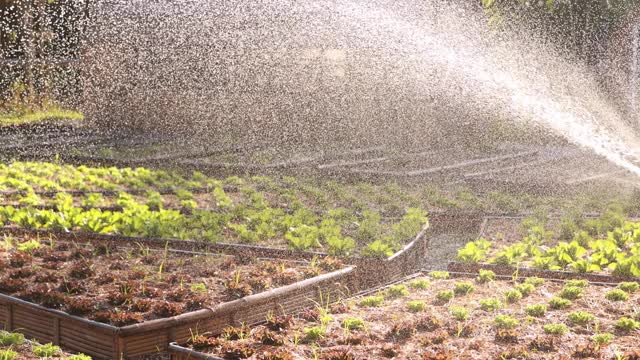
431	317
148	337
606	247
125	287
260	212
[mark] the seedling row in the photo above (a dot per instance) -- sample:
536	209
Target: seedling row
261	212
605	245
434	317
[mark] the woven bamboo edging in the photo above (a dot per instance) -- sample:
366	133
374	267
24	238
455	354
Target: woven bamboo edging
108	342
502	270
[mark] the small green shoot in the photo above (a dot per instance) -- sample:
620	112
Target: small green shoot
557	303
485	276
505	322
416	306
371	301
459	313
536	310
463	288
616	295
629	286
512	296
555	329
419	284
490	305
439	275
445	296
581	318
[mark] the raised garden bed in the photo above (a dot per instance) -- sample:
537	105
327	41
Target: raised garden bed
144	304
152	336
258	212
428	317
606	246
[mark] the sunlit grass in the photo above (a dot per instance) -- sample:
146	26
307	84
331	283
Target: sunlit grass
39	116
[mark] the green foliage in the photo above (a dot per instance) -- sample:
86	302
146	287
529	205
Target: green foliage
303	238
10	339
536	310
155	202
629	287
569	228
557	303
555	329
474	252
564	253
583	238
585	266
396	291
340	246
93	200
511	255
525	288
410	225
314	333
512	296
616	295
419	284
459	313
371	301
353	323
581	317
439	275
8	354
29	246
571	292
222	200
46	350
378	250
581	283
370	227
445	295
602	339
184	194
485	276
505	322
627	325
416	306
490	305
199	287
463	288
79	357
234	181
626	266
